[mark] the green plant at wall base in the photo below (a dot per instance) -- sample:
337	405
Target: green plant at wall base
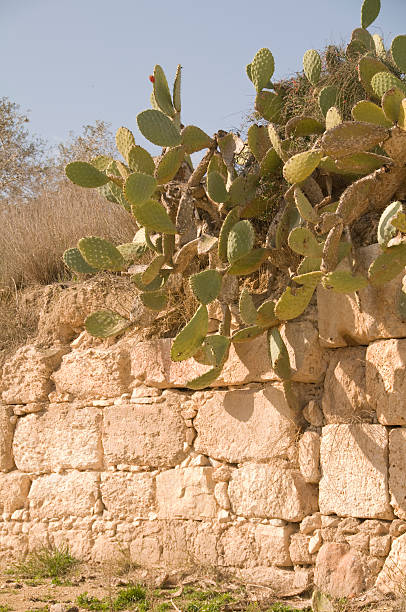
334	170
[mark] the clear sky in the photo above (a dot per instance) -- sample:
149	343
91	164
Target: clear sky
71	62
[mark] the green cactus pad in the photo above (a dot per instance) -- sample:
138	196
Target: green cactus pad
124	141
240	240
105	324
155	285
327	98
382	82
270	164
278	354
392	103
194	139
152	215
154	300
266	315
243	189
398	52
216	187
262	69
214	351
101	162
291	304
249	263
248	312
169	165
229	222
158	128
130	252
387	231
309	279
154	243
352	137
176	89
364	37
206	285
379	46
333	118
277	143
369	12
399	221
191	336
216	164
153	270
140	160
309	264
247	333
248	71
101	254
367	68
256	208
85	175
304	207
161	92
139	188
355	49
205	380
258	141
301	165
303	126
344	281
290	219
388	265
361	163
114	193
302	241
74	260
140	240
269	105
312	66
371	113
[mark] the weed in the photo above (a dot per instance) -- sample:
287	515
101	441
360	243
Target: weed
44	563
5	609
126	599
280	607
205	601
130	595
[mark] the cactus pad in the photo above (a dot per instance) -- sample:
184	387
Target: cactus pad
278	354
392	103
387	231
205	380
161	92
177	88
266	315
153	269
364	37
155	285
130	251
158	128
398	52
247	333
229	222
139	187
74	260
371	113
248	312
351	137
301	165
140	160
291	304
243	189
105	324
367	68
399	221
327	98
379	46
304	207
276	142
312	66
249	263
85	175
101	162
262	68
191	336
302	241
152	215
216	187
240	240
369	12
303	126
333	118
388	265
124	141
270	163
258	141
344	281
154	300
269	105
310	279
101	254
206	285
169	165
194	139
361	163
382	82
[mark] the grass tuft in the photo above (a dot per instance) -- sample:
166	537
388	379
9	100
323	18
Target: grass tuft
44	563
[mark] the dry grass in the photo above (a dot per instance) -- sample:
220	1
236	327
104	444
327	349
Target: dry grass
19	313
35	235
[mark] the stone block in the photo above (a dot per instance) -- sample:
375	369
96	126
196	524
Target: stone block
145	434
376	317
260	425
186	493
379	545
299	549
247	362
94	373
6	438
127	493
354	463
61	437
386	380
14	488
309	456
397	471
344	397
271	491
26	374
273	544
392	577
58	496
340	571
282	582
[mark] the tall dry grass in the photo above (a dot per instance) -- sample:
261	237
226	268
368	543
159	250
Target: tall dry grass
34	235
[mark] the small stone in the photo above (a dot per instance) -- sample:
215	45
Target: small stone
222	473
221	495
186	462
397	528
313	414
379	546
359	541
223	516
190	436
315	542
189	413
102	403
13	419
277	522
330	520
200	461
186	447
310	523
188	422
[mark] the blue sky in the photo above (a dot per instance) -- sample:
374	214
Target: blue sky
74	61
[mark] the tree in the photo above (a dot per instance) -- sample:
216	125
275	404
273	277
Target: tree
22	156
94	140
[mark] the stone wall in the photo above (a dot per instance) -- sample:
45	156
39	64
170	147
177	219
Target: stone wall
103	448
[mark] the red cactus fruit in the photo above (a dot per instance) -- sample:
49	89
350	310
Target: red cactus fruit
152	78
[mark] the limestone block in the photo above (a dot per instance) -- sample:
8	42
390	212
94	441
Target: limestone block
26	375
63	495
38	536
309	456
392	577
273	544
313	414
397	470
60	437
94	373
344	397
221	495
283	582
128	493
186	493
386	380
270	491
13	547
145	434
145	546
299	549
6	439
340	571
354	463
379	546
247	362
106	550
79	542
246	425
377	318
14	488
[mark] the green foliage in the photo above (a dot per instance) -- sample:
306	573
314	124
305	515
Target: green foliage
206	285
131	597
85	175
51	562
100	254
105	323
312	66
